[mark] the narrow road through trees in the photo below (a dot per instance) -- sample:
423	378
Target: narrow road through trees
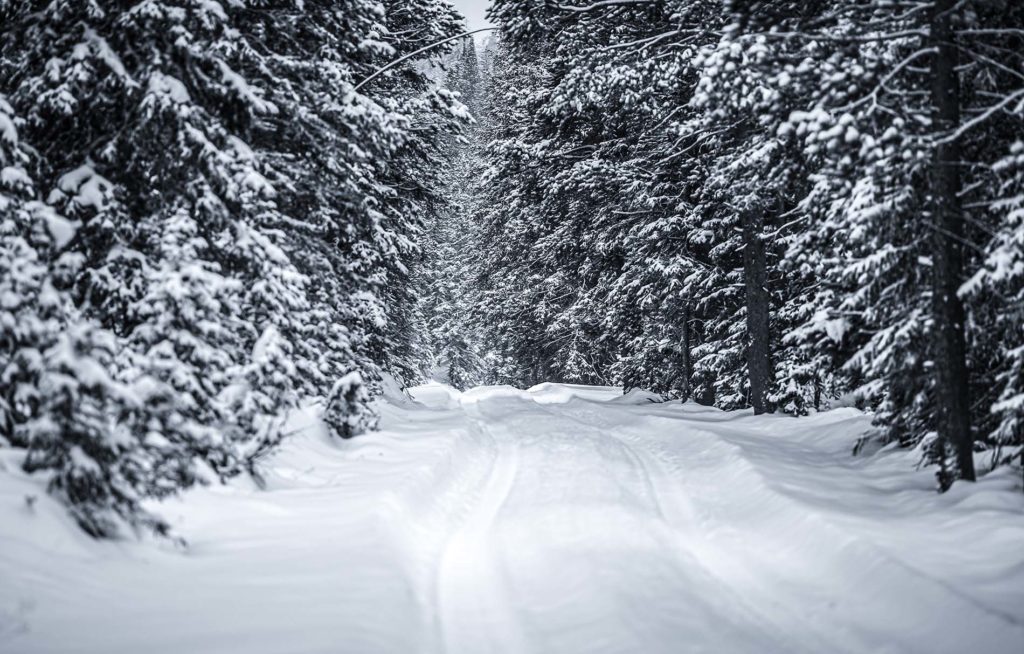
563	519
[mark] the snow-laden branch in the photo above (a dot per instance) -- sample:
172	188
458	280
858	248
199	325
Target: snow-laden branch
604	3
412	54
817	36
984	116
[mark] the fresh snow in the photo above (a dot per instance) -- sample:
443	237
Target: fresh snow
561	519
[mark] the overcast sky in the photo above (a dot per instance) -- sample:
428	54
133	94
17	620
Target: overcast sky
474	11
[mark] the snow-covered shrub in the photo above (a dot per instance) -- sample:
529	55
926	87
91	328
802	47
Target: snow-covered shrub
347	410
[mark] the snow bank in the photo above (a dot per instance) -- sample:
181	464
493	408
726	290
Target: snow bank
548	393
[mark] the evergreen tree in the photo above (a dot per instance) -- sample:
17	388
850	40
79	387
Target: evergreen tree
452	341
94	435
235	228
764	204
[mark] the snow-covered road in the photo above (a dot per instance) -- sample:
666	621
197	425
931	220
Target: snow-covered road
559	520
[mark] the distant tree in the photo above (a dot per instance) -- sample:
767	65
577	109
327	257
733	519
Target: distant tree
452	340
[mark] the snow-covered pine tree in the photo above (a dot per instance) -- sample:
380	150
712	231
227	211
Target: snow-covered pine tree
898	219
241	218
451	336
173	202
60	403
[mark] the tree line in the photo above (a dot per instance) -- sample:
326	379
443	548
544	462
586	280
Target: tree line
452	347
202	222
777	205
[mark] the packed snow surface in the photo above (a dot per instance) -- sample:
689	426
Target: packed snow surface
563	519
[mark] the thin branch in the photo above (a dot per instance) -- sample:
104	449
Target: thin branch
981	118
416	52
992	32
604	3
649	41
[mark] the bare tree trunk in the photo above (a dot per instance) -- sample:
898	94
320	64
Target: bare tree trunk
708	397
759	364
953	412
687	362
817	390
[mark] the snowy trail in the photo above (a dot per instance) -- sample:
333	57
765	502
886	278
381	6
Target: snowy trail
557	520
472	609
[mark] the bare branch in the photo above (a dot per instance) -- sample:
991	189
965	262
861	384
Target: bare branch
416	52
604	3
981	118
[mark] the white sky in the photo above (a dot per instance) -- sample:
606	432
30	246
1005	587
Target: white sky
474	11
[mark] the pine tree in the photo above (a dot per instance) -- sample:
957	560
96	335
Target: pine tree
242	228
764	204
60	403
452	342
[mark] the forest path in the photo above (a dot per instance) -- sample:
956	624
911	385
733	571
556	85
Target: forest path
610	524
561	520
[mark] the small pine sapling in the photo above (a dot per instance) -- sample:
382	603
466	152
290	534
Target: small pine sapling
347	410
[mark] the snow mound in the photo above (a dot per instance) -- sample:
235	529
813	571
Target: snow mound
435	395
548	393
637	396
394	394
485	393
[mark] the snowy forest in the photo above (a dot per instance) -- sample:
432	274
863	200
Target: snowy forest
766	204
216	216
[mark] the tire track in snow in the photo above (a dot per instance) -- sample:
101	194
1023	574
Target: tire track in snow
682	535
790	631
801	554
473	610
665	613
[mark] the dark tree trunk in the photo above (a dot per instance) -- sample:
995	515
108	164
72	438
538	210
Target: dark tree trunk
817	390
953	409
759	363
687	363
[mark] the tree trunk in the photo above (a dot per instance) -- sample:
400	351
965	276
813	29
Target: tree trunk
687	363
817	390
759	364
953	408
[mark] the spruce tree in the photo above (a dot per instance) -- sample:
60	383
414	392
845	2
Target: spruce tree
235	223
765	204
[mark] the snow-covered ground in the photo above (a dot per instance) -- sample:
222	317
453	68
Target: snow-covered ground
557	520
